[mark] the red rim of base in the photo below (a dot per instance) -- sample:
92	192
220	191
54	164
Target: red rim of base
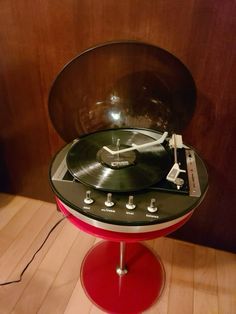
132	293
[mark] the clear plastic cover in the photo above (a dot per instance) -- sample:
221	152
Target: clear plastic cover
122	84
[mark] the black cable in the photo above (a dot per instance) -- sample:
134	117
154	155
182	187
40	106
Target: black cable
32	258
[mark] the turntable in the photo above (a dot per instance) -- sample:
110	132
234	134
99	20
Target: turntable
125	174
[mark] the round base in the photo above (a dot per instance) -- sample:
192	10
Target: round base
130	293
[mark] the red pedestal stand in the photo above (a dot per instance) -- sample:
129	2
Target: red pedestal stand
122	278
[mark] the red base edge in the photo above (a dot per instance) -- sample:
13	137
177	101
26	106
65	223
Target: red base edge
131	293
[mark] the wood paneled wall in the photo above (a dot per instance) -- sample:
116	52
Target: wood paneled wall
38	37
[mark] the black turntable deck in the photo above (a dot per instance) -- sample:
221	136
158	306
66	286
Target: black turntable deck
134	194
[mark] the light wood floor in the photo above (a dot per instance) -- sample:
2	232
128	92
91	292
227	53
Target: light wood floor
199	280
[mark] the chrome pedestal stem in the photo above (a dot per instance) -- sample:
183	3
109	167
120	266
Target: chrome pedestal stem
121	269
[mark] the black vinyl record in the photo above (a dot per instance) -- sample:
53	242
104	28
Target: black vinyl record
92	165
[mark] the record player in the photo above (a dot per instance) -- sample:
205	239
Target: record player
128	189
125	174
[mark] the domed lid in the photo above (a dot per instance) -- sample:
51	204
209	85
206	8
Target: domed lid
122	84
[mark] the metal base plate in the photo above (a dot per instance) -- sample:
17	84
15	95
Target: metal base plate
131	293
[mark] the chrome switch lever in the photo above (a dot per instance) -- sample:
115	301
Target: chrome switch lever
109	202
130	205
88	200
152	208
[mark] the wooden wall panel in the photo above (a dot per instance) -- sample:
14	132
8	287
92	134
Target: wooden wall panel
38	37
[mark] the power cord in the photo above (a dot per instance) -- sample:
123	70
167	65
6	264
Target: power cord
32	258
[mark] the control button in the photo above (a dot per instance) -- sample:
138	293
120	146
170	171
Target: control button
130	204
152	208
88	199
109	202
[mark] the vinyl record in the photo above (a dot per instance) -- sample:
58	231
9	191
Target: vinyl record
92	165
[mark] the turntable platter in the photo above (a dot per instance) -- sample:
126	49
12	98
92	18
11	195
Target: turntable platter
92	165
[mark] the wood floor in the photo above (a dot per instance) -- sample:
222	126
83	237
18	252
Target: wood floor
199	280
